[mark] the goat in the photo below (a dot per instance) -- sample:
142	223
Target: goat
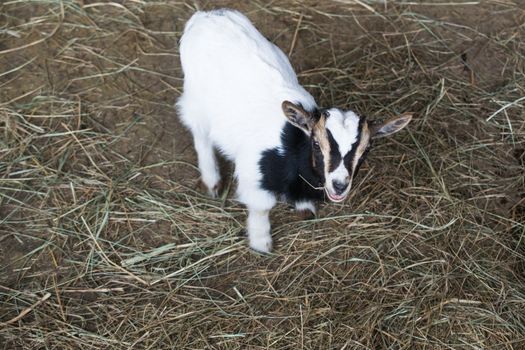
241	95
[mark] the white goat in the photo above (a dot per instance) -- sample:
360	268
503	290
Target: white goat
242	96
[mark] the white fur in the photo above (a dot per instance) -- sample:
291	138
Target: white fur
234	83
340	174
343	127
259	230
305	205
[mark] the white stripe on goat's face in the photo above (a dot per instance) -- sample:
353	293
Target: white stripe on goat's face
343	127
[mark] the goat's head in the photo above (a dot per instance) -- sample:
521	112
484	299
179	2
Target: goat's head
339	143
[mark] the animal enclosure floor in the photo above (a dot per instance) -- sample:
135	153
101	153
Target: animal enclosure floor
107	242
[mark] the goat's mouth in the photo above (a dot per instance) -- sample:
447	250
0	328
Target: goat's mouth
337	198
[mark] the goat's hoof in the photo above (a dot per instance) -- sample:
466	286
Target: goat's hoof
213	191
261	244
305	209
305	214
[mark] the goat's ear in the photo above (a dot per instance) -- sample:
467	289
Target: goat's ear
390	126
298	116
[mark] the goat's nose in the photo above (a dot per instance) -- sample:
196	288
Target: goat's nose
339	187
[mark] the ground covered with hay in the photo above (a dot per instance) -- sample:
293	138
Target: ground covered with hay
106	242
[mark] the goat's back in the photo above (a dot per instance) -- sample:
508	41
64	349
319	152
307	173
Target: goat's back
234	82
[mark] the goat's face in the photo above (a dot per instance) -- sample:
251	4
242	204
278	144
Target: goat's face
339	143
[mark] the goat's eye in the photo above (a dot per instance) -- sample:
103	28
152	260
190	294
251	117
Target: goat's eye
316	145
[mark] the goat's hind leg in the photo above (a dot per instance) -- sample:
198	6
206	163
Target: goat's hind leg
210	174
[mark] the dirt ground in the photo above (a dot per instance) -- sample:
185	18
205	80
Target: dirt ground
107	242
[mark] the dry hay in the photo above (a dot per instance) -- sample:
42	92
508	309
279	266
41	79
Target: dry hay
107	244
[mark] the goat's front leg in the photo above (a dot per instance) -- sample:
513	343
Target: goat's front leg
259	203
305	209
259	231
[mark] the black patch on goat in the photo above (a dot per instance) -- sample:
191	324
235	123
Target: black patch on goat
335	155
282	168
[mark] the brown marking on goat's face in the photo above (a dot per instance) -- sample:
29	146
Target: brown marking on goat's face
361	147
320	136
